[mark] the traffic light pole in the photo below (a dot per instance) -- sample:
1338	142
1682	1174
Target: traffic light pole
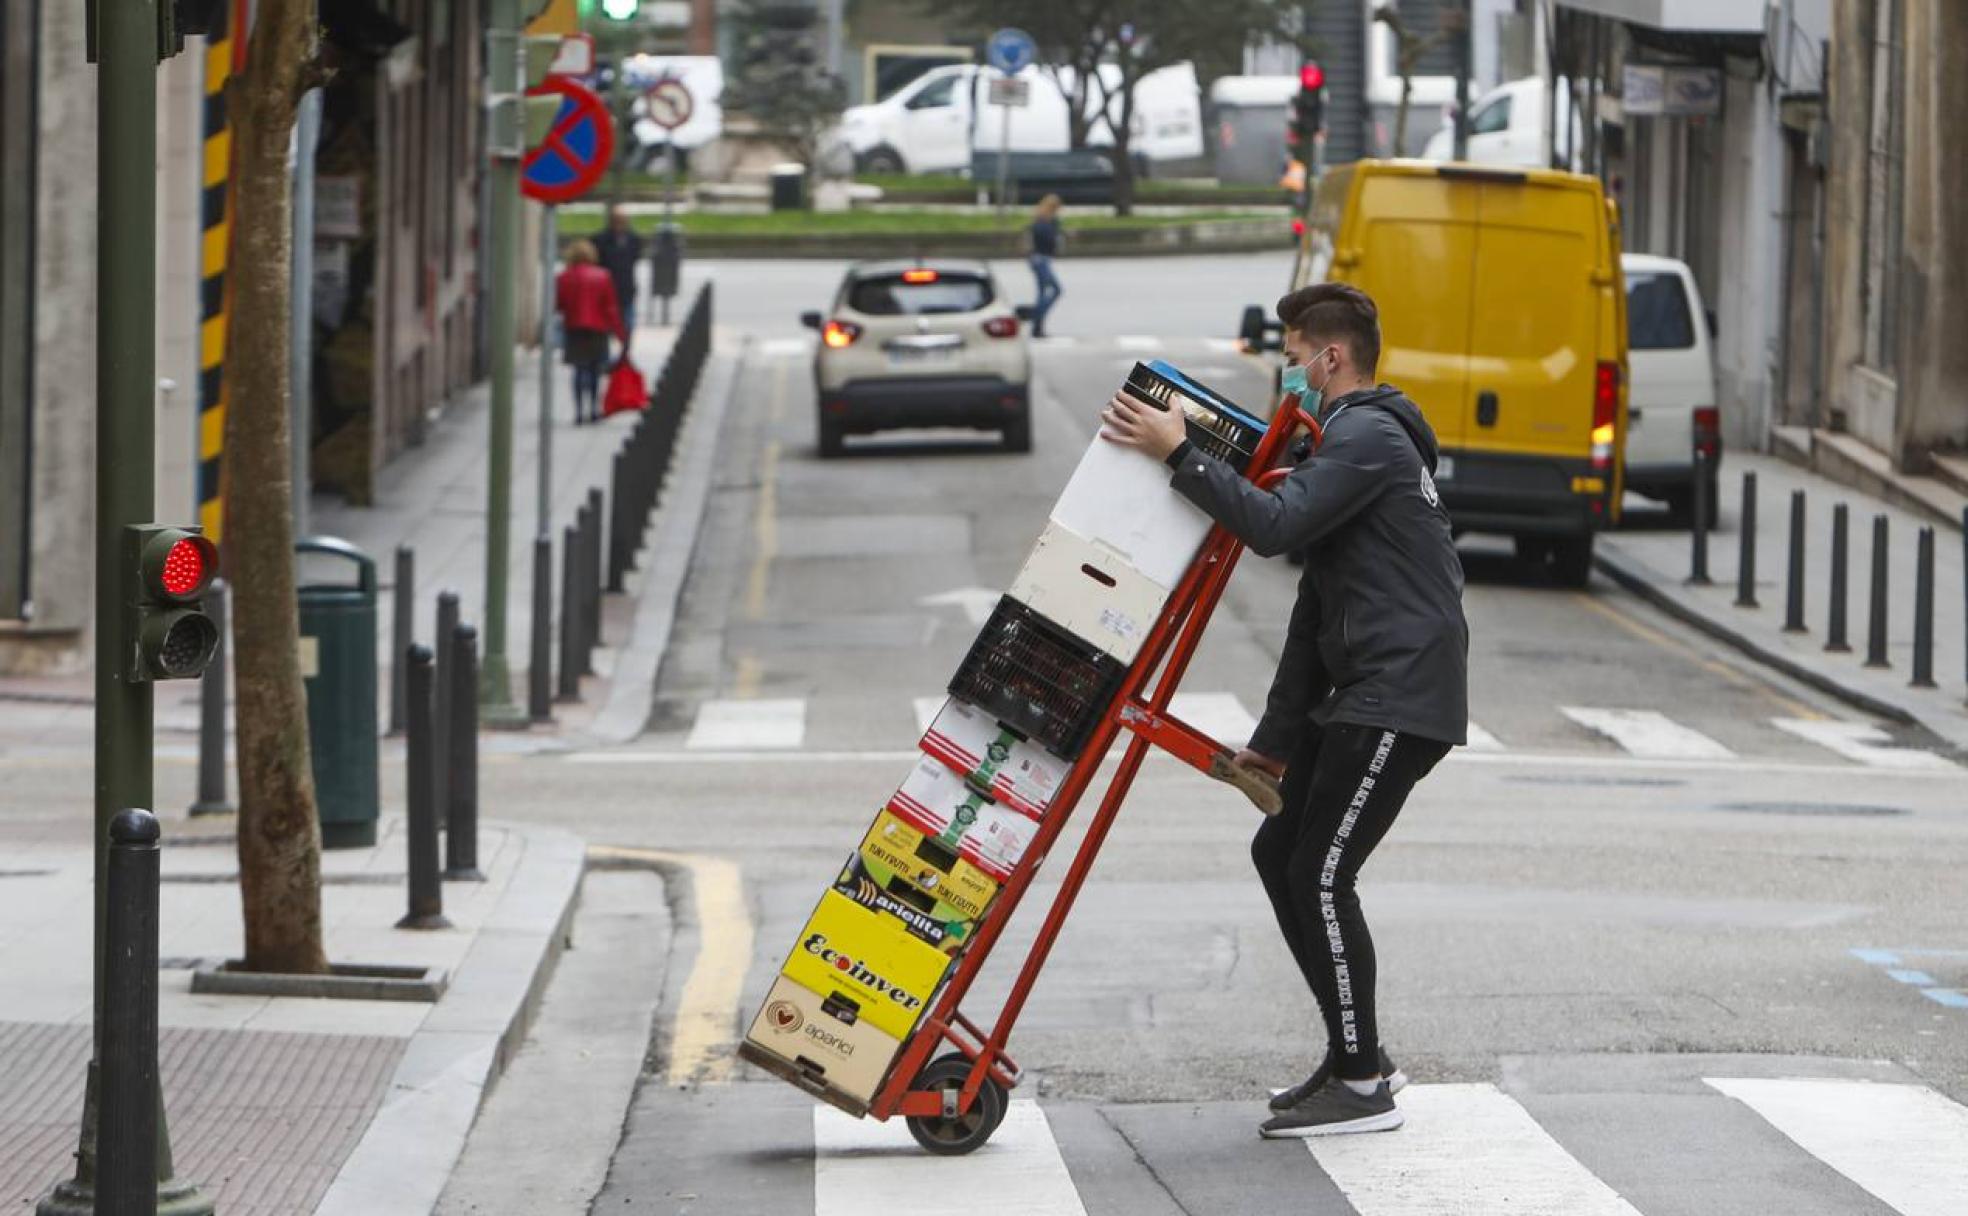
126	378
503	150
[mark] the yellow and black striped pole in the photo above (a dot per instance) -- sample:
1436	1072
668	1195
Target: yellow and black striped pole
214	293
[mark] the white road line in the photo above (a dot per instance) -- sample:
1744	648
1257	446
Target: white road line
1481	740
926	710
1905	1144
1467	1149
1140	342
860	1164
1223	346
1055	341
1643	732
784	348
1220	715
1862	742
748	725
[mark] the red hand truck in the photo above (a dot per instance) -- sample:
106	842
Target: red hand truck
953	1103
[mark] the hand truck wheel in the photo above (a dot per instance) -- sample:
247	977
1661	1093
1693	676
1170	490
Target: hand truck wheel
968	1131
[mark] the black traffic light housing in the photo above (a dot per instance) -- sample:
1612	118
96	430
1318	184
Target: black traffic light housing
1308	110
169	636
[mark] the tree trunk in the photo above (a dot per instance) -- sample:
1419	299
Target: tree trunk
279	839
1123	149
1401	111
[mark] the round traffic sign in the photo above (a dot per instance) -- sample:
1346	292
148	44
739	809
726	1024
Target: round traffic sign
577	149
669	102
1011	50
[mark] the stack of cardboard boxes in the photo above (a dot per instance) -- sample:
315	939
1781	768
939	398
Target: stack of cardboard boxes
1044	669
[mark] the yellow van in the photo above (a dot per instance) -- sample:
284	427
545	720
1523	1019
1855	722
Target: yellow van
1503	316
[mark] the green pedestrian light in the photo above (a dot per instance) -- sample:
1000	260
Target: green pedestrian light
620	10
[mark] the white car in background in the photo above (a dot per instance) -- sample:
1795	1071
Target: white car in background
924	343
1507	126
1671	399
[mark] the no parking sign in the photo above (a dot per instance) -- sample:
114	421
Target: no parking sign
577	148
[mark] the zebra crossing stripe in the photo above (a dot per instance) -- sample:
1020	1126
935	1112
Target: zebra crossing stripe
1220	715
749	725
1862	742
1223	346
1644	732
1481	740
926	710
1139	342
860	1164
784	348
1904	1144
1468	1149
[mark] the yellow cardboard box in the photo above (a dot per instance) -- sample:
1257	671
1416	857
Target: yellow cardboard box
818	1042
896	848
926	917
870	960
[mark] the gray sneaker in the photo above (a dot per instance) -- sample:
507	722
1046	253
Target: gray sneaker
1285	1099
1335	1110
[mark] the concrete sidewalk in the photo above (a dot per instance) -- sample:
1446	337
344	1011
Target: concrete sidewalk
283	1105
1655	562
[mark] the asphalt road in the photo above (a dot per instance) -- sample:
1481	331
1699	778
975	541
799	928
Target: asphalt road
1644	947
1625	977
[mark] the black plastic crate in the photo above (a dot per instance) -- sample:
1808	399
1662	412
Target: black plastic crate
1216	424
1036	677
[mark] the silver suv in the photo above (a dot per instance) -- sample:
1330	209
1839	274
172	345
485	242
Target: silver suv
927	343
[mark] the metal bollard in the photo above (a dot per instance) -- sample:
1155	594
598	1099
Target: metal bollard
1923	611
539	664
426	888
126	1134
618	507
1835	619
1703	516
597	561
1876	627
447	624
461	816
584	595
1794	583
212	798
1746	551
403	602
1964	590
570	629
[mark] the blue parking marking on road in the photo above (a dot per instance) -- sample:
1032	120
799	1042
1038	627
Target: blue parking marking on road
1879	958
1946	996
1909	976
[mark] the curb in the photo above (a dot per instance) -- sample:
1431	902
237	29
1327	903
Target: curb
407	1153
678	520
1629	574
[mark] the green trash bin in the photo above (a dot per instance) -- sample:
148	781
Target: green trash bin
338	663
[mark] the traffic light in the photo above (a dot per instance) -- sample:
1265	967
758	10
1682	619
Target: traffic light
170	637
620	10
1308	110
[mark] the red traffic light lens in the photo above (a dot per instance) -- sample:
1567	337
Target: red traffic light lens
184	568
1311	76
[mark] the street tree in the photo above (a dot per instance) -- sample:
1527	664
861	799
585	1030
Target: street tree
1412	46
778	81
279	838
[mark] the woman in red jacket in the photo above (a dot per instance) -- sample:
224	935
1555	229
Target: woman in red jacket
585	296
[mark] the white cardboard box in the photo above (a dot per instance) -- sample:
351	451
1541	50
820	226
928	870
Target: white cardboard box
961	819
1021	775
822	1045
1121	500
1090	590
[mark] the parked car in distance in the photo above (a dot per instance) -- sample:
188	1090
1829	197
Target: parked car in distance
1507	126
1671	411
924	343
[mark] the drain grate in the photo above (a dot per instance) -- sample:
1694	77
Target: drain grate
1858	810
1598	781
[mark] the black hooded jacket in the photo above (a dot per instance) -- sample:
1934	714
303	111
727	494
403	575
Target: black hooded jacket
1377	637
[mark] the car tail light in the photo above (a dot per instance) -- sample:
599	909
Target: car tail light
1605	414
1002	327
840	333
919	276
1708	431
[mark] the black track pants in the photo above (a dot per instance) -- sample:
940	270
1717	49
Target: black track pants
1342	789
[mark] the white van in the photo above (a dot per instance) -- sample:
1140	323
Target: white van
1507	126
935	122
1671	410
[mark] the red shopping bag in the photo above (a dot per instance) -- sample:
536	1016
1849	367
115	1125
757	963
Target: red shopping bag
626	390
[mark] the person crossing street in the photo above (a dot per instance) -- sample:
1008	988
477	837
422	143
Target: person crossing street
1371	689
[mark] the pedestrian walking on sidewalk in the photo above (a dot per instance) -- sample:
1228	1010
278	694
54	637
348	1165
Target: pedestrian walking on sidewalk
1042	239
589	313
620	249
1372	686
